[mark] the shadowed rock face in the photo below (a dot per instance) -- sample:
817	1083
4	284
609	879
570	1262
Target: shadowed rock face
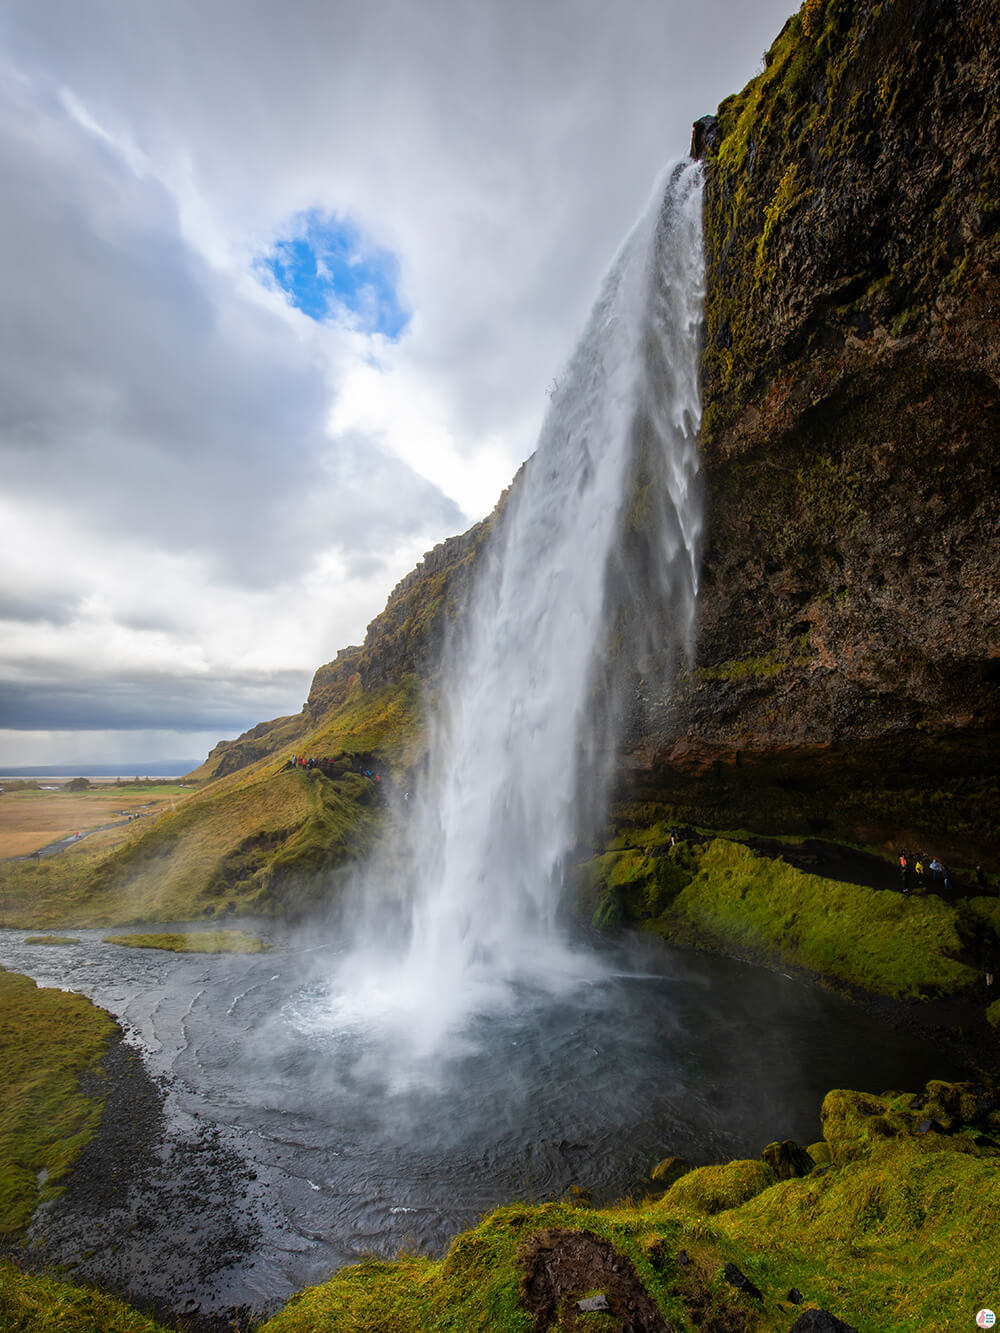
849	616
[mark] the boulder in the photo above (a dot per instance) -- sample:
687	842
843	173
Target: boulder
788	1159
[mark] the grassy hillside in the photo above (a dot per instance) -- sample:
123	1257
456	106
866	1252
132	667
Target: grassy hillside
258	840
717	894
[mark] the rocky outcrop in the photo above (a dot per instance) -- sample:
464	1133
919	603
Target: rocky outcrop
410	634
329	689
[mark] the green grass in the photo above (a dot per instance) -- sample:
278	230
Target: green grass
876	940
32	1304
51	939
205	941
48	1040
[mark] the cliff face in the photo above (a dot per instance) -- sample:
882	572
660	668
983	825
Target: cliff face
849	610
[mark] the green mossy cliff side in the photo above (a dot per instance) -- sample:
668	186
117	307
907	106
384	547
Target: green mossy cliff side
848	643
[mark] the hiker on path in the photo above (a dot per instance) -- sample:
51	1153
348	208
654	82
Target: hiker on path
904	873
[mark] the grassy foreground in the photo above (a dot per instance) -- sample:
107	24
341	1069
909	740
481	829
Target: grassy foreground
49	1039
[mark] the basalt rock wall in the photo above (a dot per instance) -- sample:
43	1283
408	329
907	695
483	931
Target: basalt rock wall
848	647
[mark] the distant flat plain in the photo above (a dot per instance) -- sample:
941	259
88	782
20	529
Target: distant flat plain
31	819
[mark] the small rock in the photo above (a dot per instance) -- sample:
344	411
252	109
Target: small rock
929	1127
592	1304
788	1159
741	1282
683	1258
795	1296
820	1321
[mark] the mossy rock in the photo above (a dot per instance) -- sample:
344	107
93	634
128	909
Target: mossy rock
715	1189
669	1171
787	1159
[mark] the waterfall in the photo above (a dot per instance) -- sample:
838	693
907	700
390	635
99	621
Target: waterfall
516	751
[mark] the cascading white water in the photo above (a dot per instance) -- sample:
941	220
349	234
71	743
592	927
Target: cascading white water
487	833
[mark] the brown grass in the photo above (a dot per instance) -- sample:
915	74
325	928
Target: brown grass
32	819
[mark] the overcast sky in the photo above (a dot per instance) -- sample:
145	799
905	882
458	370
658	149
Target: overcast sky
283	288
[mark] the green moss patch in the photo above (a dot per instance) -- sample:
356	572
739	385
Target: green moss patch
205	941
51	939
880	941
49	1039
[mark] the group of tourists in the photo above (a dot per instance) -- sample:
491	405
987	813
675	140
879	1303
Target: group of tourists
918	872
338	766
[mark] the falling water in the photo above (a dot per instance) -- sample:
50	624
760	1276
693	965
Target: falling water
515	750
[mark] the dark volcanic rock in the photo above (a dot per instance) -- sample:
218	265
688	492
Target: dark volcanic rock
849	606
788	1159
820	1321
738	1279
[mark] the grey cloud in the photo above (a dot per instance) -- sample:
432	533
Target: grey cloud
45	608
508	144
56	701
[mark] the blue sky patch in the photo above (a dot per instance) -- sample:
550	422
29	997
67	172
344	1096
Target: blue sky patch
329	270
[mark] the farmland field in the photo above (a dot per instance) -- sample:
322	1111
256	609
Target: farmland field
31	819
